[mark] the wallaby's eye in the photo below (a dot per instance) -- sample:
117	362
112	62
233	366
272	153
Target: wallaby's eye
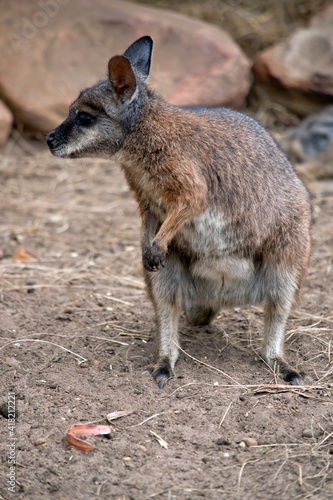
85	119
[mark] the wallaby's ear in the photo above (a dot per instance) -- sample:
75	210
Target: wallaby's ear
139	54
121	77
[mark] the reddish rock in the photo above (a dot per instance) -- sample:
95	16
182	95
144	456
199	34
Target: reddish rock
299	71
51	49
6	122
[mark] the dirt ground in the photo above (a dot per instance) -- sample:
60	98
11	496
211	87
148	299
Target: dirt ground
84	292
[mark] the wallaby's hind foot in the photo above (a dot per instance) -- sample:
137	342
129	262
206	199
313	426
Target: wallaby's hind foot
162	372
287	373
282	286
296	378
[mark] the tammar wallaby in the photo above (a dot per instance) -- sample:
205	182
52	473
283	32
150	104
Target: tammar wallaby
225	218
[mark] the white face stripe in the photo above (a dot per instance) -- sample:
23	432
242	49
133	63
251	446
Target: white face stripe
83	141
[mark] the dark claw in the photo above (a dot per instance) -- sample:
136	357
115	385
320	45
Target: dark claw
153	258
162	381
296	381
148	264
162	374
149	267
306	377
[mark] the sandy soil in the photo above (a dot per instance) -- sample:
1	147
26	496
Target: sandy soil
85	293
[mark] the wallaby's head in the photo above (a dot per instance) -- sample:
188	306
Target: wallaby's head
101	117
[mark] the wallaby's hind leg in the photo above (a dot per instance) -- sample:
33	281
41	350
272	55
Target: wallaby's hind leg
281	291
167	326
164	290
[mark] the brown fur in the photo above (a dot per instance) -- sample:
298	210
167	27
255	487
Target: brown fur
225	218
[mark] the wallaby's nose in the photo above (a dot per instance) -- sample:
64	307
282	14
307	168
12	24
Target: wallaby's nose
50	138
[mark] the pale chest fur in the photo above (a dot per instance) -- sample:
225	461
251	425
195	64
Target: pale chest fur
209	239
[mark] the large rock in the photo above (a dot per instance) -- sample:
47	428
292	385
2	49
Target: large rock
310	138
310	145
299	72
6	122
51	49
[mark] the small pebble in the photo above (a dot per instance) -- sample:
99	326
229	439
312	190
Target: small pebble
307	433
250	442
40	441
4	409
222	441
242	445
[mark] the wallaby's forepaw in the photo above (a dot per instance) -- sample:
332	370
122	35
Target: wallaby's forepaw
153	257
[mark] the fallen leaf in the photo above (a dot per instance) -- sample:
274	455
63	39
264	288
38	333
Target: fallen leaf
85	430
160	440
23	255
117	414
